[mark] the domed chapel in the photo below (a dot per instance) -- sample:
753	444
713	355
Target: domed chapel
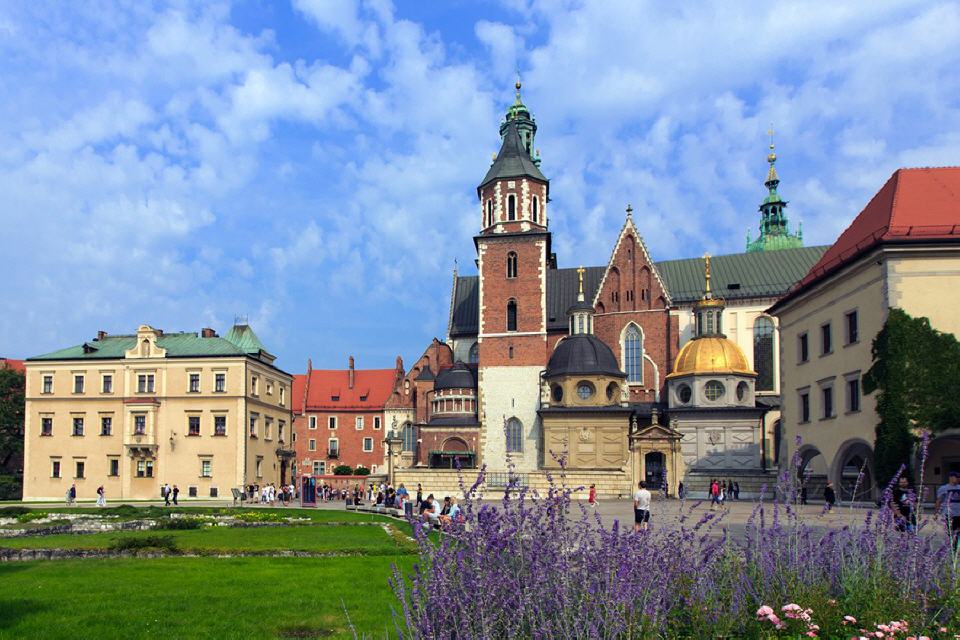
616	373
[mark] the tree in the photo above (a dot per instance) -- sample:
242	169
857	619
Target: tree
916	374
12	387
343	470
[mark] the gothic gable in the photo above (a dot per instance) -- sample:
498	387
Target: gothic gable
631	281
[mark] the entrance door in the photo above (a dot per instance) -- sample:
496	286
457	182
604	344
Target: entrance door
283	473
654	466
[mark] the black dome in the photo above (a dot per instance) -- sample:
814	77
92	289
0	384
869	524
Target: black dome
458	376
583	354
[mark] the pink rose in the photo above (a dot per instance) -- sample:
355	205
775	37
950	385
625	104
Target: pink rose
764	611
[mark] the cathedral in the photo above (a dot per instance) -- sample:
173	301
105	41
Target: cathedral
634	370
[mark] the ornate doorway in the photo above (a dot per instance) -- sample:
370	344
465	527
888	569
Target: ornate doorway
654	464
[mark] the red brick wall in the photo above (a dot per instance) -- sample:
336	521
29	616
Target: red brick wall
433	439
350	439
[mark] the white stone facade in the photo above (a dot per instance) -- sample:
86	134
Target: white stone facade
510	392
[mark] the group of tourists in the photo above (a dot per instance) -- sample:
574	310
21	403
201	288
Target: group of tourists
168	494
720	491
829	495
271	494
328	493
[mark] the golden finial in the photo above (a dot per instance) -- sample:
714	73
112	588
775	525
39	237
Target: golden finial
771	157
706	272
518	85
580	272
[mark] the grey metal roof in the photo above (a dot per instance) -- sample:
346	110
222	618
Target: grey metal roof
513	161
583	354
752	275
459	376
740	275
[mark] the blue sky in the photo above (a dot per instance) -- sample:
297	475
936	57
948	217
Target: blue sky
312	165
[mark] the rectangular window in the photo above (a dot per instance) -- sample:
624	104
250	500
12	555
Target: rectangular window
804	406
259	466
269	388
78	384
319	467
107	383
214	492
267	428
254	385
145	383
144	468
149	468
333	448
853	327
219	425
206	468
312	422
81	467
826	394
139	424
803	348
192	491
359	423
826	339
48	386
46	426
368	445
106	425
853	394
376	422
253	426
280	425
193	425
283	395
332	422
54	468
114	465
312	445
78	426
194	383
220	383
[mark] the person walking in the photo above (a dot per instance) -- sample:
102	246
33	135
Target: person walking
641	507
736	490
803	494
902	506
419	495
72	495
948	503
175	492
167	494
714	493
101	497
681	491
829	496
592	496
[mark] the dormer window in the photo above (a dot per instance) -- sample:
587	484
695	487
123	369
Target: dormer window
512	265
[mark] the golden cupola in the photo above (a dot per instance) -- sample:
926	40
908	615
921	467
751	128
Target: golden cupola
710	351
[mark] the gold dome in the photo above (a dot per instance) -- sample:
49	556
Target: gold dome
711	354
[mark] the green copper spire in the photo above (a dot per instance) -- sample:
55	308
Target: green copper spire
526	125
774	229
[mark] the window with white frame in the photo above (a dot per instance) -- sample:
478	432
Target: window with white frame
259	466
78	383
206	468
47	384
139	424
319	467
333	448
267	428
194	383
106	383
359	423
145	383
219	382
253	425
311	445
54	468
106	425
78	425
254	385
332	422
312	422
219	425
514	433
367	445
46	425
376	422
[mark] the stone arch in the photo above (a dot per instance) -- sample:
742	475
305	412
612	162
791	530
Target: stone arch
854	456
455	443
812	469
943	456
601	308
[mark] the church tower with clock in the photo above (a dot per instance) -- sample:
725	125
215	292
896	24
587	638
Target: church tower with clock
513	257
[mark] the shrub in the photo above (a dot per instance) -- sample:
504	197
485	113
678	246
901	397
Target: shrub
122	510
14	512
178	524
31	516
11	487
162	543
343	470
544	573
259	516
361	471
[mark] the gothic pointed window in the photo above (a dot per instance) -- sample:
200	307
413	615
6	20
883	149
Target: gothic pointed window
633	354
536	209
511	207
514	436
474	356
512	265
409	437
512	315
763	353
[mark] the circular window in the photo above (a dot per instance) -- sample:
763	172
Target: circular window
557	393
584	390
684	393
612	390
742	389
714	390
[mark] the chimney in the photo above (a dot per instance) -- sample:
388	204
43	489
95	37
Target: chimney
351	372
207	332
101	335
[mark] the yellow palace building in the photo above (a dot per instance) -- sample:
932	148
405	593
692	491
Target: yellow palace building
134	412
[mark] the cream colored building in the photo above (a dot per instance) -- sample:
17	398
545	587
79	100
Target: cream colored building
902	250
132	412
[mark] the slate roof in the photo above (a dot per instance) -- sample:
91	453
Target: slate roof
178	345
513	161
761	274
914	205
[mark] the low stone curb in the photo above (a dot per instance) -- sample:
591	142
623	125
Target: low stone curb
24	555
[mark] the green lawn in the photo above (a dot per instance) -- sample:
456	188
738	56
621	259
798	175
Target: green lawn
198	597
371	540
131	512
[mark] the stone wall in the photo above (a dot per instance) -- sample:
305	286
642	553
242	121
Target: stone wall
610	484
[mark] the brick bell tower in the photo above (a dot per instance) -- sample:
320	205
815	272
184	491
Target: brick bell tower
513	255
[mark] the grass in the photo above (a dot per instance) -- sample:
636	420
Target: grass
131	512
370	540
198	597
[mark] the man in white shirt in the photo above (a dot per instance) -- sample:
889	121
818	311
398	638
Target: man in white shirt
641	507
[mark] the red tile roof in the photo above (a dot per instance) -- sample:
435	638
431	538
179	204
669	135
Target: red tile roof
16	365
370	391
915	205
